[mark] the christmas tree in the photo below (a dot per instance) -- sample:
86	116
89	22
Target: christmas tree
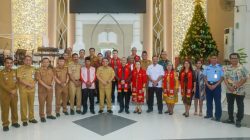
198	42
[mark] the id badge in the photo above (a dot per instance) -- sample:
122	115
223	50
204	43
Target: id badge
215	76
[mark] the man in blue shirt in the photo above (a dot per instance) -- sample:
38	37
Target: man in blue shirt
213	78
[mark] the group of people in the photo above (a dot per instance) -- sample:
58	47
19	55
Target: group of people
77	79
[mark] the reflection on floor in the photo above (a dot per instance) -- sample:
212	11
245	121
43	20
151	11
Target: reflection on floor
105	123
146	126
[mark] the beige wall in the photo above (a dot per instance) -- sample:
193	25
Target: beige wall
147	29
71	30
218	20
168	45
52	22
128	37
5	24
5	17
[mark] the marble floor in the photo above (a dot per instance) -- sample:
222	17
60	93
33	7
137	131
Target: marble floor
147	126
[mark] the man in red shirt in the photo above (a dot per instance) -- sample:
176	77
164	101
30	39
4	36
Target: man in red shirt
123	76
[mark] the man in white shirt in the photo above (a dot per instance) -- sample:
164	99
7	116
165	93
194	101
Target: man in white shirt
88	86
155	73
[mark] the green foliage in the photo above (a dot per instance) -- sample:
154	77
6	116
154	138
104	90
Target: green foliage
198	42
243	55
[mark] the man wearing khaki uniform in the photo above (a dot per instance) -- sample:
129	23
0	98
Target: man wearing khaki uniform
45	77
93	57
61	87
75	85
145	62
26	79
105	75
8	95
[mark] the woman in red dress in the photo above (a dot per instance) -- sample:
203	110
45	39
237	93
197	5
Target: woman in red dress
170	88
188	85
139	80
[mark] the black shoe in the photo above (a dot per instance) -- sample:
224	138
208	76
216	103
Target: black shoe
207	117
84	112
166	112
110	111
229	121
43	120
72	112
238	124
100	111
6	128
160	112
127	111
16	125
58	115
25	124
92	111
33	121
66	113
184	114
139	112
120	111
51	117
149	110
187	115
215	119
170	113
78	111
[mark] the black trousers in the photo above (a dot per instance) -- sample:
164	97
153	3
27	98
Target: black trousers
114	84
88	93
240	105
124	98
97	90
158	92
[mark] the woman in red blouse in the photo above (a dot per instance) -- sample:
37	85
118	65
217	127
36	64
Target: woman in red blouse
188	83
139	80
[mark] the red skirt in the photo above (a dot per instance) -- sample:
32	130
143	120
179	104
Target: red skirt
137	96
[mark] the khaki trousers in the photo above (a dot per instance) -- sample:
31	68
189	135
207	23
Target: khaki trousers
45	96
75	92
105	92
8	102
61	95
27	102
